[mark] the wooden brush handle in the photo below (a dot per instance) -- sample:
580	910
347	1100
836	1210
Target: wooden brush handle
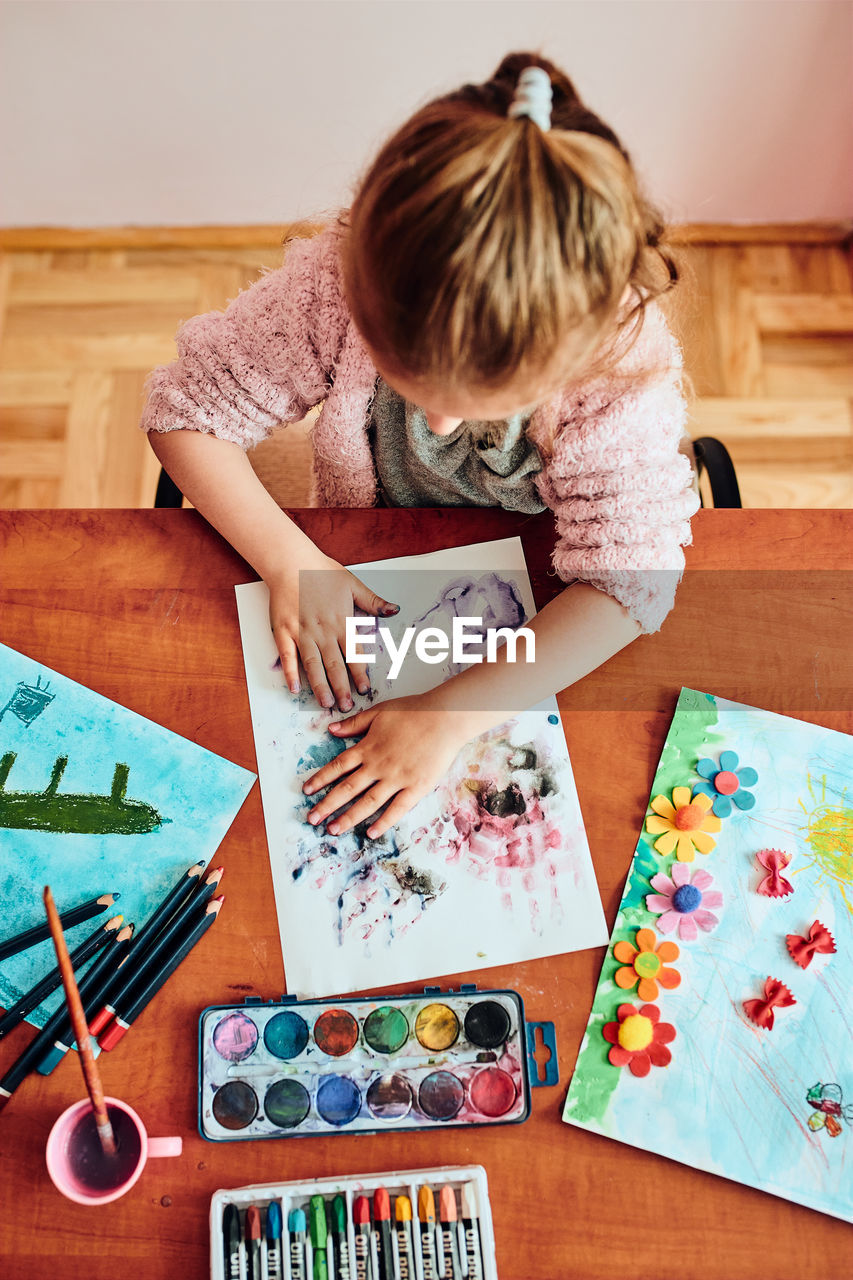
81	1031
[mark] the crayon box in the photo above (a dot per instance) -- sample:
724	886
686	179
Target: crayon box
416	1248
368	1065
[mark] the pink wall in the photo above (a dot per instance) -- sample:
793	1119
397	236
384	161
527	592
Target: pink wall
193	111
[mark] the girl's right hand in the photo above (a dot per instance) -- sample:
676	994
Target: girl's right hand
308	612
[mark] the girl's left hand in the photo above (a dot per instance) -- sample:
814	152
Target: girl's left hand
407	746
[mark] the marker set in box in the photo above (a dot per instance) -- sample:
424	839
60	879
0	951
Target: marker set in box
419	1224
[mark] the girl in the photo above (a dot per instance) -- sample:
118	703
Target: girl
482	328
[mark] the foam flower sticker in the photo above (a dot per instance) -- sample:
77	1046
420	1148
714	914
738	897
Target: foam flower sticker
683	900
683	825
725	783
644	965
639	1039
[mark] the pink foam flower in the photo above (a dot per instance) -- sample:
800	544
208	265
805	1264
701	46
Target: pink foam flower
683	901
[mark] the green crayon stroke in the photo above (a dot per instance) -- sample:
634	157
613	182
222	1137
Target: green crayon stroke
689	738
75	814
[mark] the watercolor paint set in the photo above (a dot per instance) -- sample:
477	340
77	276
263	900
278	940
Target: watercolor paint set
419	1224
366	1065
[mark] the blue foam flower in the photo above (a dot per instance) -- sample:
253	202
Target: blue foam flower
725	783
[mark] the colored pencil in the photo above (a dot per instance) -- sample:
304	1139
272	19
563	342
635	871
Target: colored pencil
60	1023
189	881
75	915
81	1031
142	962
51	981
471	1228
92	987
128	1010
448	1218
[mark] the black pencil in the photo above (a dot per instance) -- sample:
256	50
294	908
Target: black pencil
39	932
127	1012
92	987
59	1025
141	963
32	999
168	907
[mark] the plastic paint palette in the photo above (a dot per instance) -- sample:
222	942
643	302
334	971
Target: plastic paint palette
296	1195
300	1068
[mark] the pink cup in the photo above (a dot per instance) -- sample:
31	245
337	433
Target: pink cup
77	1164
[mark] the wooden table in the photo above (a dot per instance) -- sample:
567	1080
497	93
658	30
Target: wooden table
139	605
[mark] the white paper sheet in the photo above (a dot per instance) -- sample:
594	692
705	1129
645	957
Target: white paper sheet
464	882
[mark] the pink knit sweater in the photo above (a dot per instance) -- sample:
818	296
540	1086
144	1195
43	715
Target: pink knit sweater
619	488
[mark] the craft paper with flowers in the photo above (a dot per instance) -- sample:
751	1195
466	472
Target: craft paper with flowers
735	936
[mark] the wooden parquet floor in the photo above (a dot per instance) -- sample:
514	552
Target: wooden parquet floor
766	323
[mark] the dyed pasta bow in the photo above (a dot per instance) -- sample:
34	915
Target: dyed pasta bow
818	939
776	996
774	885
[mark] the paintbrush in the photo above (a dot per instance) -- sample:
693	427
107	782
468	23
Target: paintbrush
81	1031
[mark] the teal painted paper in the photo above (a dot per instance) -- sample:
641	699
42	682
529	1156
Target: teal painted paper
733	1100
95	799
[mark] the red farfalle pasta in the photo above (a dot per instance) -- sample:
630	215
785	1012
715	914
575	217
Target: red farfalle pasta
818	939
776	996
774	885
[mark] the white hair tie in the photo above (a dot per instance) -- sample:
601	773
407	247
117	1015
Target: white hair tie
533	96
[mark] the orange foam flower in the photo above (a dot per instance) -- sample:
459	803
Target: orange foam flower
683	824
644	965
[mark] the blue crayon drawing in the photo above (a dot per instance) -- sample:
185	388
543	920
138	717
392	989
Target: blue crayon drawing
104	801
28	700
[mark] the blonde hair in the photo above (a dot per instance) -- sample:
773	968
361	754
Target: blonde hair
482	251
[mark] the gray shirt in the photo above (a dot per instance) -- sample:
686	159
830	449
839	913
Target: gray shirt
480	464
